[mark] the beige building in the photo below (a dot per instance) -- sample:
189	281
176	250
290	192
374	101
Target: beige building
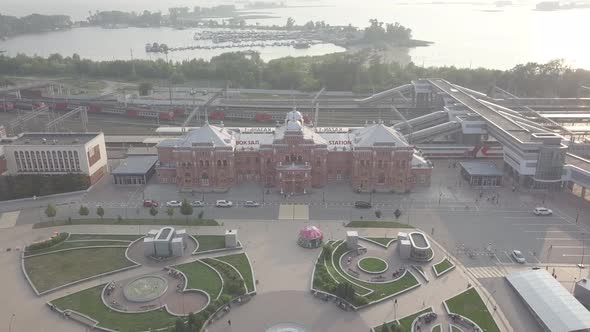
57	153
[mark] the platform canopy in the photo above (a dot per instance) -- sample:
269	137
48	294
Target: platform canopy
554	306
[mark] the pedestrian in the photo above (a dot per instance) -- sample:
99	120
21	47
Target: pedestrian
229	322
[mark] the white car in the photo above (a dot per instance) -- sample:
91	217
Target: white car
223	203
251	204
518	257
542	211
173	204
198	203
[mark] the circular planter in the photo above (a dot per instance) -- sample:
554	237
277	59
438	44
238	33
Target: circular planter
372	265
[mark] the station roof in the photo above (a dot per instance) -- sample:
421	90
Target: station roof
481	168
135	165
566	115
54	138
550	301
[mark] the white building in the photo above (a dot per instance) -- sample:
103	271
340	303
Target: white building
57	153
166	242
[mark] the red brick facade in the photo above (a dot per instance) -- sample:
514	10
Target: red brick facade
292	158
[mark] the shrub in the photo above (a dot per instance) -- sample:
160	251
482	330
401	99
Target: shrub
47	243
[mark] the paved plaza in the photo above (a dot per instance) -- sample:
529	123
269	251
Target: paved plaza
464	221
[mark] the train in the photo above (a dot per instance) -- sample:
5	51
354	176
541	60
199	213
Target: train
143	111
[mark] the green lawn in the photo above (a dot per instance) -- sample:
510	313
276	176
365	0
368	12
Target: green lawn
333	271
385	241
377	224
469	304
436	329
442	266
229	276
372	264
240	262
112	221
56	269
88	302
69	245
454	329
381	290
118	237
406	322
200	276
210	242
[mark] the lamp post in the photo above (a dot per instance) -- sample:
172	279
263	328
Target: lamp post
10	323
581	265
439	197
323	197
395	309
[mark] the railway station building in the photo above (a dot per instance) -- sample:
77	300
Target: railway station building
293	158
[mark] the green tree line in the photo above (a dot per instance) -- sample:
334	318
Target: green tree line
35	23
360	72
23	186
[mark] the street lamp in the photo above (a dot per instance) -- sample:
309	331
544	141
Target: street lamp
581	265
439	198
10	323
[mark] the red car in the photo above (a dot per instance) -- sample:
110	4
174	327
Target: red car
150	203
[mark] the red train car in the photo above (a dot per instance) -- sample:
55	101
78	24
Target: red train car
6	106
263	117
61	106
170	115
94	108
217	115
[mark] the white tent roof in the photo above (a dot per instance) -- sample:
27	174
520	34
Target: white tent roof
550	301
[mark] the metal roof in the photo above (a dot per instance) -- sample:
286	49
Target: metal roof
481	168
550	301
135	165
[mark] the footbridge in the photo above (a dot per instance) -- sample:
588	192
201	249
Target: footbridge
535	156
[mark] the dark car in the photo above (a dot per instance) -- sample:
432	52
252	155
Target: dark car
362	205
150	203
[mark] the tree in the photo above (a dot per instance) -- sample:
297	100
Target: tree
83	211
378	214
290	23
397	213
186	209
200	215
50	211
100	211
145	88
170	212
154	211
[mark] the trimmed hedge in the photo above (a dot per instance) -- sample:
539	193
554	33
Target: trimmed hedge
61	237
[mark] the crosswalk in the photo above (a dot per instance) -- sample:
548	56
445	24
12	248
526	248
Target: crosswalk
484	272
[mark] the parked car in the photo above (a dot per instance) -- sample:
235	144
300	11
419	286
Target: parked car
198	203
223	203
518	257
150	203
251	204
362	205
173	204
542	211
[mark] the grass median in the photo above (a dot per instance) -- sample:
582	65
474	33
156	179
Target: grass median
56	269
469	304
241	263
114	221
210	242
443	266
377	224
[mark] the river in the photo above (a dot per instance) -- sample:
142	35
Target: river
465	35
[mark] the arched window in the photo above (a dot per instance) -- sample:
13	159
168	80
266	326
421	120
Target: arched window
299	158
219	163
287	158
204	179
